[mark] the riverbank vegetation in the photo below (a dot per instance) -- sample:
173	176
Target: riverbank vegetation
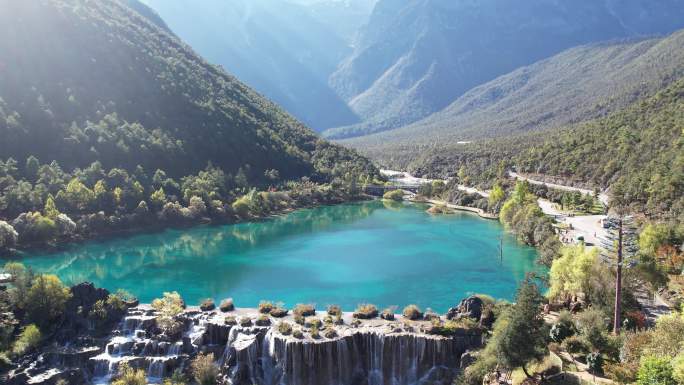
155	137
43	205
522	215
636	152
36	307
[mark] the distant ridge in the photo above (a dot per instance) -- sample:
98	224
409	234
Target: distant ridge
416	57
576	85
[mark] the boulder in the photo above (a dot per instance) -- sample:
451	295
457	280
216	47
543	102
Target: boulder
470	307
468	358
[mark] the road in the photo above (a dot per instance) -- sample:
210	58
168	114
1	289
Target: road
603	197
589	227
405	178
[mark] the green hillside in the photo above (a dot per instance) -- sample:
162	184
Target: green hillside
579	84
108	118
104	83
637	152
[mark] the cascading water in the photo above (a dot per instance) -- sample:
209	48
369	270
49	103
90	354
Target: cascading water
366	356
135	347
377	352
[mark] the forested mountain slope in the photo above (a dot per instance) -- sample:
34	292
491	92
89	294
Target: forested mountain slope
84	81
576	85
279	48
417	56
637	153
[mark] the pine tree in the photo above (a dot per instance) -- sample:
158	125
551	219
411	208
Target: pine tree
523	339
50	209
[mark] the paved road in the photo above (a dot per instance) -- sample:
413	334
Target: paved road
405	178
603	197
589	226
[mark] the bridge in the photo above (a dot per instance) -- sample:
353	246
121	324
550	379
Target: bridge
380	190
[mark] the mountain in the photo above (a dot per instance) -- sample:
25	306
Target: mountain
85	81
638	152
415	57
284	50
576	85
344	17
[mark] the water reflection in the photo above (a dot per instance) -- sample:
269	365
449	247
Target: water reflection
384	252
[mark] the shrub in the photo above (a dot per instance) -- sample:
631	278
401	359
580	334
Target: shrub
279	312
299	319
592	325
448	328
8	236
207	305
313	322
170	326
265	307
315	333
230	320
284	328
330	333
46	300
394	195
560	331
177	378
241	207
245	322
338	320
388	313
430	315
28	339
203	369
117	301
130	376
412	312
334	310
621	373
366	311
595	363
304	310
227	305
487	299
263	320
575	345
170	305
298	334
655	370
678	368
634	346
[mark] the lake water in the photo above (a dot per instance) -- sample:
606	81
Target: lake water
378	252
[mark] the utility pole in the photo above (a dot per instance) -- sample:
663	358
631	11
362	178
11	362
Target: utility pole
618	282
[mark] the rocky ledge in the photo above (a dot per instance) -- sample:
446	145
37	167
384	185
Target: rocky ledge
252	348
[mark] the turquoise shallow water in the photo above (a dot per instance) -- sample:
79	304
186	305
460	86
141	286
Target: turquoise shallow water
347	254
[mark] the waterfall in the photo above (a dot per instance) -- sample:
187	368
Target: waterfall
375	354
262	356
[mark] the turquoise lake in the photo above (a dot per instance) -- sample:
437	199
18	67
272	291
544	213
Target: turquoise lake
378	252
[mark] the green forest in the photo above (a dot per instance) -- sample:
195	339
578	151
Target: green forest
110	122
637	153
